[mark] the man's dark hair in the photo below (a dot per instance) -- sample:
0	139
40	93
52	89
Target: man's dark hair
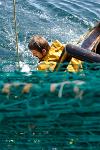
38	43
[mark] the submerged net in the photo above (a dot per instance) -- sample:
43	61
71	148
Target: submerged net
50	111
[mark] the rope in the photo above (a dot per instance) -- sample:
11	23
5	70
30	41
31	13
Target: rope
83	37
16	33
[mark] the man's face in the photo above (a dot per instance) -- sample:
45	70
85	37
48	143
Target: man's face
37	54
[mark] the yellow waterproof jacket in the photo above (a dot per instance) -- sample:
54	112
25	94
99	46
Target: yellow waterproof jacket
50	60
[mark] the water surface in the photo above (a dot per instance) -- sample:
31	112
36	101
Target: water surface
65	20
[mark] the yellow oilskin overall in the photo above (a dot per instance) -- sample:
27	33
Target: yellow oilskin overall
50	60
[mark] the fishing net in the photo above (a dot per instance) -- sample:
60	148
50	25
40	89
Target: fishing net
50	110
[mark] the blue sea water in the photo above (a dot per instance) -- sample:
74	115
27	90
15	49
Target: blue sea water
65	20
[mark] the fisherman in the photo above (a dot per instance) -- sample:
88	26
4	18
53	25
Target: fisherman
49	54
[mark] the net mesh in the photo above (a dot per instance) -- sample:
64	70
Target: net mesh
50	111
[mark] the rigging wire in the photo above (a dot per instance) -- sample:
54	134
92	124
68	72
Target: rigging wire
15	28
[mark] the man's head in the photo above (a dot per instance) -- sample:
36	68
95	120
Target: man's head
39	46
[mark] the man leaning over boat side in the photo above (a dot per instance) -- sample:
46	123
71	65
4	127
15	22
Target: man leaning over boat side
49	55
